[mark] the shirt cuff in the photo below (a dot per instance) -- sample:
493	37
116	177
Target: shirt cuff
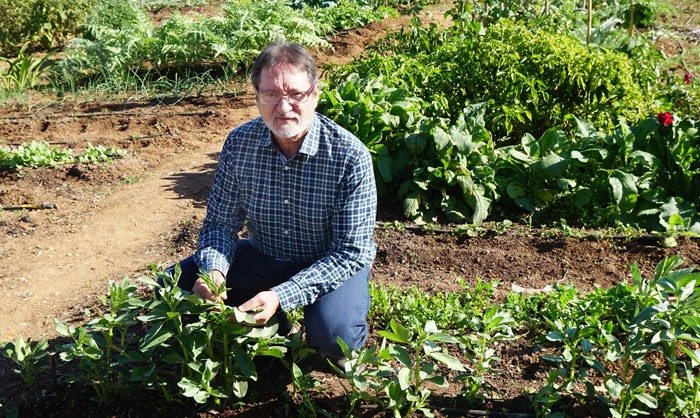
208	259
289	294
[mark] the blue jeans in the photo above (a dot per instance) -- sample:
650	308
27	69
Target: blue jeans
340	313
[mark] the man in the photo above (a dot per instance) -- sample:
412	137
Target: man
304	187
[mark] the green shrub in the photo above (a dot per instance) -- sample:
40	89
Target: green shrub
434	169
44	23
531	78
540	77
121	43
115	15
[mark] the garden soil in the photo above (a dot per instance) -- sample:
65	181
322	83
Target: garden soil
82	226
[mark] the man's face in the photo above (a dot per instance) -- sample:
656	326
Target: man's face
288	121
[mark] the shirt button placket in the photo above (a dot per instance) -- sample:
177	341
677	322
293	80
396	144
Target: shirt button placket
285	201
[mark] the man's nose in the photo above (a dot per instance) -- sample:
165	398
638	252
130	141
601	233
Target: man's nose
284	103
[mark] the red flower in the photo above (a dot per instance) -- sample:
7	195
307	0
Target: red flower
665	118
687	78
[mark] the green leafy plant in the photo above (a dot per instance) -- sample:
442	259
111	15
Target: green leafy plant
32	359
44	23
631	387
102	346
417	354
436	170
35	154
363	371
213	349
24	71
347	14
42	154
481	334
121	40
100	154
672	323
669	162
577	357
560	77
303	383
445	309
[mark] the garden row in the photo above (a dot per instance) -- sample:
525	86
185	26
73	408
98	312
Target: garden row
532	116
633	348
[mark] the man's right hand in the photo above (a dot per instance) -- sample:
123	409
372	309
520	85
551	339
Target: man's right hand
201	289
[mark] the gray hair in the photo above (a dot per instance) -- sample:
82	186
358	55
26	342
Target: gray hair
281	53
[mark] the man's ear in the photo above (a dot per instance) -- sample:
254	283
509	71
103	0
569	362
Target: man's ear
317	91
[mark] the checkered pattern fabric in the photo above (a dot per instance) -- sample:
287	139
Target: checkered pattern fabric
318	207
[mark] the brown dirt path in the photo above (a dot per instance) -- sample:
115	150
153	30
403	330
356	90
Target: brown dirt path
40	277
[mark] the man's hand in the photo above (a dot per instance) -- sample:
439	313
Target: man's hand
265	302
201	289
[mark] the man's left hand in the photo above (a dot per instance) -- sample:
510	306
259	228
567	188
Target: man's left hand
266	303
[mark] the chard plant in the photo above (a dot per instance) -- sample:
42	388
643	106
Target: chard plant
668	152
432	168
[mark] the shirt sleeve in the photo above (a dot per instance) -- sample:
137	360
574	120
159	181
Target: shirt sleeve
218	236
352	246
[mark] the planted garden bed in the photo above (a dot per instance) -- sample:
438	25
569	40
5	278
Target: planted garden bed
523	320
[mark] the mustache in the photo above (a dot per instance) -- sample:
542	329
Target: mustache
287	116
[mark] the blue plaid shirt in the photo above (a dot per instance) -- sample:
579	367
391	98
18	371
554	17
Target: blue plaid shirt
318	207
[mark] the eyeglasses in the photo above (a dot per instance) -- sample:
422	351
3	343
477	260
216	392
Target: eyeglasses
272	97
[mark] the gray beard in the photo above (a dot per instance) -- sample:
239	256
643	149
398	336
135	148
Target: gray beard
288	131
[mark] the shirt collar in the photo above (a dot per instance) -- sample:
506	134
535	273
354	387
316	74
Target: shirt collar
312	138
310	143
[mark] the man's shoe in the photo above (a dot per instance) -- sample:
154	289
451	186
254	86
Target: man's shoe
295	329
344	365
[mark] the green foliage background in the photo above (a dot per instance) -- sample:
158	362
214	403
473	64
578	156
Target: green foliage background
45	23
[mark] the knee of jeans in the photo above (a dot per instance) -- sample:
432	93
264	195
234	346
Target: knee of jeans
325	340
